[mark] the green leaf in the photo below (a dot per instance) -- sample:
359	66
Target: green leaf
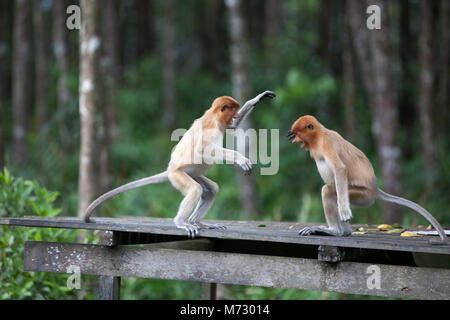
28	285
54	212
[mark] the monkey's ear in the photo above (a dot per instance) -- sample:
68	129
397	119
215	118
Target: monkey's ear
224	107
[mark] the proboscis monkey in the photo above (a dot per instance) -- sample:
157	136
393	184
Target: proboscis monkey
193	156
349	178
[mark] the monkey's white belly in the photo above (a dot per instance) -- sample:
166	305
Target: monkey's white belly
325	171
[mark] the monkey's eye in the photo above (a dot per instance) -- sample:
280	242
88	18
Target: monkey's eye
310	127
224	107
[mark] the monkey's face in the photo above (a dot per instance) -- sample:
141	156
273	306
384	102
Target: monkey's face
304	131
226	109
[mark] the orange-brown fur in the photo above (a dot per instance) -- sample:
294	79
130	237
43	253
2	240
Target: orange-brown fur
322	142
198	150
348	175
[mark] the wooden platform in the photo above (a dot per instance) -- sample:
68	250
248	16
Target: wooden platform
258	253
282	232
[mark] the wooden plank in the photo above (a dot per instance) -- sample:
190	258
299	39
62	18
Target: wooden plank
244	230
109	288
241	269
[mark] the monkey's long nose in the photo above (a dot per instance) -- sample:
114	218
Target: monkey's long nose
236	115
290	135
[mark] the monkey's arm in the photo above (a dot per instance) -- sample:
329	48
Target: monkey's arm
248	107
221	154
341	181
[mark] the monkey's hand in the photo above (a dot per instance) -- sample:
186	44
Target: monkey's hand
245	164
345	214
266	94
248	107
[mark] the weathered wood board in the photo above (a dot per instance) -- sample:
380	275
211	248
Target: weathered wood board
241	269
286	232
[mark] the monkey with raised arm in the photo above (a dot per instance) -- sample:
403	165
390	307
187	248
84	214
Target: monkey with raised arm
349	178
193	156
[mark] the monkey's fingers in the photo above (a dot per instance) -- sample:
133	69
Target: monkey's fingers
246	165
192	230
269	94
306	231
264	95
345	214
320	231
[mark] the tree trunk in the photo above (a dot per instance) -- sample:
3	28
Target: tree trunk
272	12
41	63
323	33
89	101
21	79
169	99
443	67
111	74
375	60
348	74
241	92
5	51
61	53
145	27
212	36
405	50
429	147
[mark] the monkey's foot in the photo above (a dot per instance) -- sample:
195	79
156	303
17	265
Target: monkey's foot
191	229
210	226
307	231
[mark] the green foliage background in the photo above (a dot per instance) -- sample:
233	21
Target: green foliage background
303	86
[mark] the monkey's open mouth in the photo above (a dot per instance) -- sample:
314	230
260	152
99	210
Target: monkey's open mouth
295	139
291	136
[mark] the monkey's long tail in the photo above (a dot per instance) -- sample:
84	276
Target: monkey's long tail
412	205
160	177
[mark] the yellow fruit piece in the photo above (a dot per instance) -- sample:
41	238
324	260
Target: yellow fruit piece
408	234
384	226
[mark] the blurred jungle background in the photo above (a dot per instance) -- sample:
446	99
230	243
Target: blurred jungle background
151	66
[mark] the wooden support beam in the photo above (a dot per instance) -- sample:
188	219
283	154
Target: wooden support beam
109	288
242	269
209	291
330	254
